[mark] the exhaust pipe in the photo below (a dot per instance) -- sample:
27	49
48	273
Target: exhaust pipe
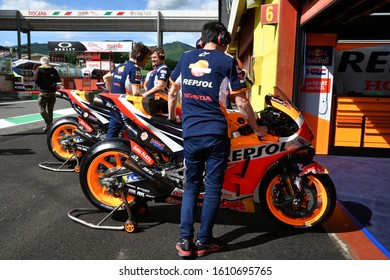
161	183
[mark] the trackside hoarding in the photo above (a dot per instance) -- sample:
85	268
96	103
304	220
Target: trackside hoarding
68	46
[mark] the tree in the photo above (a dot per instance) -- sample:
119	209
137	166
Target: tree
70	57
120	57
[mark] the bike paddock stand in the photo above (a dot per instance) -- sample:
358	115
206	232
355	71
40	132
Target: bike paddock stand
130	225
75	213
61	166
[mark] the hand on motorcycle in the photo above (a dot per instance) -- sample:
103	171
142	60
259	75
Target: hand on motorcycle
261	131
263	135
176	120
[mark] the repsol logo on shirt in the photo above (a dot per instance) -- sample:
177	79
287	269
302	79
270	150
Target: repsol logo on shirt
257	152
196	83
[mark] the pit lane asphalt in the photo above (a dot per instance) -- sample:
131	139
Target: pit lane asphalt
34	225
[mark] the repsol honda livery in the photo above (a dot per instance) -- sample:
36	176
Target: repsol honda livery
293	190
69	137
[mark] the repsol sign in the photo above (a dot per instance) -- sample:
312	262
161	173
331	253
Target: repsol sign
257	152
364	70
358	62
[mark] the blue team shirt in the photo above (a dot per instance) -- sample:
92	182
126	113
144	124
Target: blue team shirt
125	75
160	72
202	74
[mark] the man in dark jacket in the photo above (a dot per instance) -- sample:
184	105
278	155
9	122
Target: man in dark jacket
46	78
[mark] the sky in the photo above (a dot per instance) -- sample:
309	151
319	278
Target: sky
9	38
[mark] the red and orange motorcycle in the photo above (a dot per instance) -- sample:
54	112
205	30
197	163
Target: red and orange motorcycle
69	137
293	190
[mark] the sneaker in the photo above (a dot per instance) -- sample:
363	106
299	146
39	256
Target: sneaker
184	247
202	249
46	128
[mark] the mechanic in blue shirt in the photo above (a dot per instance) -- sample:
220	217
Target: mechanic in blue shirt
126	79
157	79
200	74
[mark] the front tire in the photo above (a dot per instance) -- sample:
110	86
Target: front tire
315	204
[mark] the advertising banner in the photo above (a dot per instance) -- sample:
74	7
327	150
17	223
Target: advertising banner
363	69
316	93
88	13
68	46
318	81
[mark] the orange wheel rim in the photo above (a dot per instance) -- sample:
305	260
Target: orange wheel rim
107	160
57	137
317	213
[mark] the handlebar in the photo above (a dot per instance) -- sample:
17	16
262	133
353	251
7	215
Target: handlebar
59	85
102	86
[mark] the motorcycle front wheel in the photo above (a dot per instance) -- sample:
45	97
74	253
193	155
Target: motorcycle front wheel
102	159
310	207
56	134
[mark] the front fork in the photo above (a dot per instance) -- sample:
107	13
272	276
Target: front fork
286	178
301	168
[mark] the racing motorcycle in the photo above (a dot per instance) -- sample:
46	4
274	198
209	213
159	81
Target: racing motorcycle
70	137
293	190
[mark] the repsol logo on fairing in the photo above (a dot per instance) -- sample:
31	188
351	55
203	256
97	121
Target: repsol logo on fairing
257	152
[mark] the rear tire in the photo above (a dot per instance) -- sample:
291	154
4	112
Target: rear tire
316	205
58	130
103	157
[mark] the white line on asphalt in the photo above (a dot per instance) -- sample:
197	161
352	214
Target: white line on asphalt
4	123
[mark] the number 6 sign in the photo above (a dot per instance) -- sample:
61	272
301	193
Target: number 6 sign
269	14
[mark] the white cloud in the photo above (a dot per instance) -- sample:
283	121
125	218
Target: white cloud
8	44
28	5
65	36
182	5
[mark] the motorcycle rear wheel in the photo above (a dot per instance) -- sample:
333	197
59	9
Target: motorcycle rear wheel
317	204
54	137
104	156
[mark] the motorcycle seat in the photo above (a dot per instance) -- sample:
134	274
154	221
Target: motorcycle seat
98	102
161	121
90	96
150	106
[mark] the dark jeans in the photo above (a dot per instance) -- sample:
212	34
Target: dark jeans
210	153
114	126
46	103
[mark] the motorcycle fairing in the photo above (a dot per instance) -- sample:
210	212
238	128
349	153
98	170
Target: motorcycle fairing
154	137
137	149
98	114
85	125
251	158
82	105
314	168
